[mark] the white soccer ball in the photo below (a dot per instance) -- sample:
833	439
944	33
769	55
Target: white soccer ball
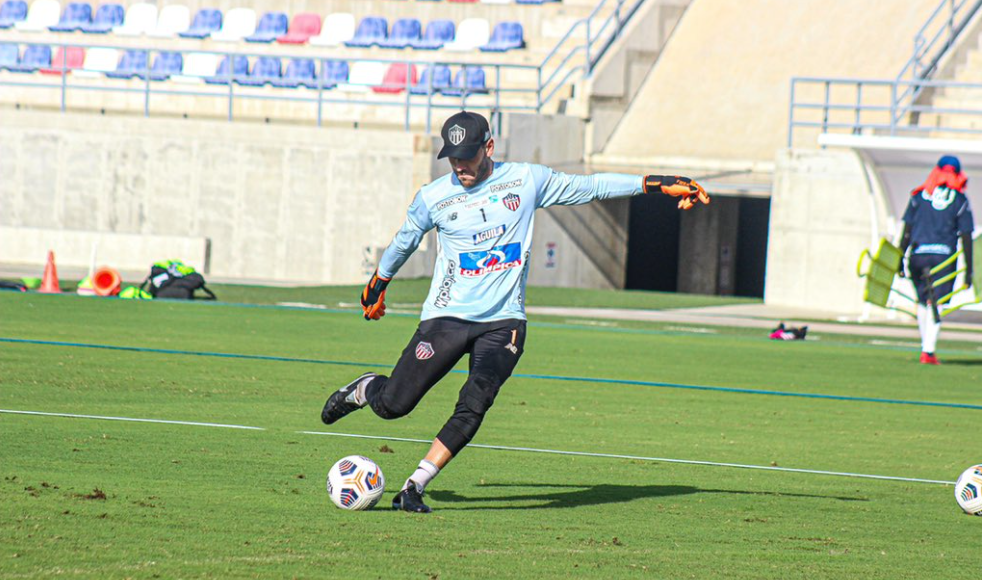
355	483
968	490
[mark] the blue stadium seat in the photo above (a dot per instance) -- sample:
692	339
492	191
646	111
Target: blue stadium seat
441	80
35	57
404	32
12	12
300	71
468	79
264	70
506	36
271	25
333	73
438	33
370	31
132	64
9	55
534	1
164	66
206	21
76	15
240	68
106	17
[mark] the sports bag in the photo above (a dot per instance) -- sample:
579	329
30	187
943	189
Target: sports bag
174	279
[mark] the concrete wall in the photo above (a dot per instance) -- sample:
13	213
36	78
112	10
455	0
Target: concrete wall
278	203
721	87
823	213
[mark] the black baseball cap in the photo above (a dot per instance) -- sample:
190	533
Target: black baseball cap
463	135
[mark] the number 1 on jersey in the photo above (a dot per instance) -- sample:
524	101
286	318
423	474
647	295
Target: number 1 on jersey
483	216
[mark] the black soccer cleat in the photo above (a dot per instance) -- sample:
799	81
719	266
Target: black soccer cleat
337	406
410	500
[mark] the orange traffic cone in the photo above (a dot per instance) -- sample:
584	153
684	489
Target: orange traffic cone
106	282
49	285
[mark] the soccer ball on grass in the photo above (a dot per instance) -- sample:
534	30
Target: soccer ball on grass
355	483
968	490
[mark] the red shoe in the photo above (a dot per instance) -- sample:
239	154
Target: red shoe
929	359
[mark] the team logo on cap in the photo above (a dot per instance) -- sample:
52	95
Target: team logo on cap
511	201
424	350
456	134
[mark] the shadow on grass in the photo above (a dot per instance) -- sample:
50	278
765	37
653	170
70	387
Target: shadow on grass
962	362
567	496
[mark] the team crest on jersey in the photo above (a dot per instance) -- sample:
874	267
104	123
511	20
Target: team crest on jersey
940	198
512	201
424	350
497	259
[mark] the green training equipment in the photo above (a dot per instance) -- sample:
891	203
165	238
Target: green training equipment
883	267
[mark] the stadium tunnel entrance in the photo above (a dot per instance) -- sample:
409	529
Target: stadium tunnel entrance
718	249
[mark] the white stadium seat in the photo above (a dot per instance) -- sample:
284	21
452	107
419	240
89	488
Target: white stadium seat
98	61
42	14
239	23
197	66
338	28
471	34
141	18
174	18
363	76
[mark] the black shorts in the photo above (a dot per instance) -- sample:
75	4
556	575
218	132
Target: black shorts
918	263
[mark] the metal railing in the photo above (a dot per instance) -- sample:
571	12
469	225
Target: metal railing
936	36
895	108
871	106
530	87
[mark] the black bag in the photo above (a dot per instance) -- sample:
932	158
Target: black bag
173	279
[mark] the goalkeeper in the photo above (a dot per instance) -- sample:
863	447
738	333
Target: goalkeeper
483	212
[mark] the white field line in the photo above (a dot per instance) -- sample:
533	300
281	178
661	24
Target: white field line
495	447
132	419
643	458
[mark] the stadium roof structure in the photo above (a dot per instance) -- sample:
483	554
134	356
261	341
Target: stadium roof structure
902	163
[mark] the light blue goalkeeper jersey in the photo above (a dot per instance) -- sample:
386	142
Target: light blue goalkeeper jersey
485	234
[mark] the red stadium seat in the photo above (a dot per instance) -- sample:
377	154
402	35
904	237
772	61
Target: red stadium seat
395	79
76	56
302	28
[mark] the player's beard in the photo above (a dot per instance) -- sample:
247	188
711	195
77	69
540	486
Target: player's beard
484	170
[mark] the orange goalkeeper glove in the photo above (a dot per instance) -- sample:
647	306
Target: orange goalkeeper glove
676	186
373	297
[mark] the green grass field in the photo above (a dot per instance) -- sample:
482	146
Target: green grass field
120	499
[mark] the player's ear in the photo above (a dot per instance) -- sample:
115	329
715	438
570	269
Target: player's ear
489	147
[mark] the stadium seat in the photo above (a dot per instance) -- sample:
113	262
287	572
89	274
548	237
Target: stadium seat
333	73
534	1
239	23
440	75
371	29
206	22
98	62
197	66
140	19
9	55
469	80
395	79
300	71
338	28
264	70
438	33
76	15
467	1
164	67
106	18
506	36
240	68
35	57
12	12
132	64
42	15
471	34
271	25
303	28
496	1
363	76
404	32
76	56
174	19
